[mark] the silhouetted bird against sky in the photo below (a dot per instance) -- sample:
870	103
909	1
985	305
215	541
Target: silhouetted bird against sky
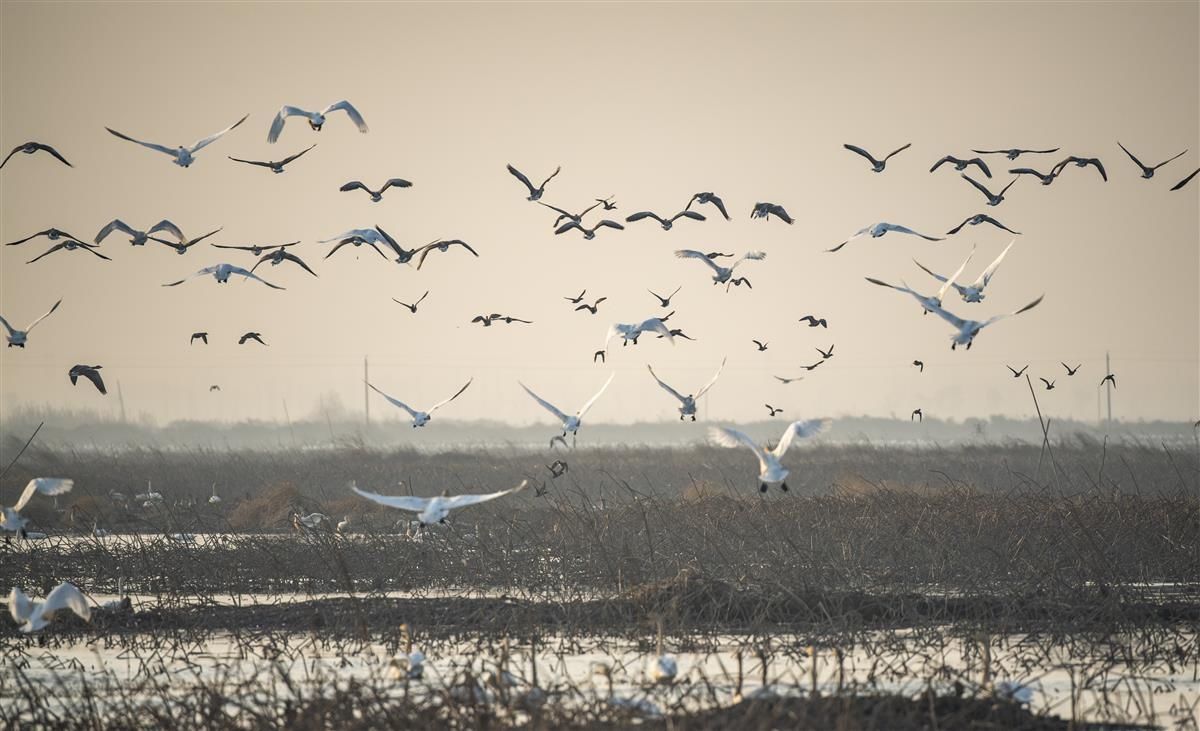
1072	371
917	415
993	199
534	193
184	156
1017	373
70	245
198	336
1082	162
274	166
256	337
376	195
766	210
961	164
592	307
920	365
702	198
53	234
666	223
977	219
92	373
826	354
760	345
1049	384
877	166
280	255
588	233
772	411
31	147
664	301
1045	178
1014	153
813	321
1111	378
413	307
1148	171
443	246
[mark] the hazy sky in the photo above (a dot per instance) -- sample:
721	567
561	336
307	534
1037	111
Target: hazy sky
647	102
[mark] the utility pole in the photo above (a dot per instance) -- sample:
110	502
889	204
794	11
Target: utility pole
366	394
1108	385
121	400
288	416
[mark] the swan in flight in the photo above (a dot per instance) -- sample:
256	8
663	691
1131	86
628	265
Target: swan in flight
274	166
376	195
721	274
31	147
222	272
1147	171
433	510
934	300
10	518
770	471
968	329
316	120
972	292
32	616
184	156
18	338
420	418
877	166
92	373
630	332
688	403
876	230
534	193
569	423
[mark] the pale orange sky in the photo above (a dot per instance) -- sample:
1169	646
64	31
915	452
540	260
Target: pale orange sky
650	103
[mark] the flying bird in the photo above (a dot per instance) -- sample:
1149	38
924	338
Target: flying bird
18	338
876	230
588	233
766	210
214	387
786	381
182	246
664	301
184	156
70	245
770	471
11	518
687	404
571	423
222	272
666	223
32	616
1081	162
413	307
607	203
814	321
760	345
772	411
576	300
1014	153
972	292
54	234
487	320
702	198
1072	371
1111	378
1186	180
356	238
977	219
31	147
961	164
316	120
92	373
534	193
433	510
376	195
877	166
1045	178
1017	373
421	418
198	336
721	274
930	301
281	254
825	355
256	337
967	330
1049	384
255	249
1147	171
592	307
813	366
275	167
920	365
576	217
993	199
630	332
917	415
442	245
137	237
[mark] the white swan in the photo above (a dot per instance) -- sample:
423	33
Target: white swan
968	329
688	403
315	119
184	156
421	418
10	518
432	510
876	230
17	338
721	274
32	616
972	292
630	332
215	499
569	423
770	472
222	272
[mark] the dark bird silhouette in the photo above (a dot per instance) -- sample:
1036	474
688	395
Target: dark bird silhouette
1049	384
592	307
814	321
826	355
1072	371
917	415
665	301
992	199
274	166
772	411
70	245
1045	178
214	387
920	365
588	233
54	234
678	333
403	255
280	255
979	218
607	203
1186	180
666	223
814	365
92	373
443	245
255	249
718	255
413	307
1147	171
355	241
702	198
198	336
1111	378
576	300
1014	153
786	381
487	320
961	164
737	282
760	345
1081	162
182	246
376	195
31	147
256	337
576	217
1017	373
766	210
877	166
598	354
558	468
534	193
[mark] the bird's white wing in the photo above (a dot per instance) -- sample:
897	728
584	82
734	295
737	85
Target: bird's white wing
45	486
593	399
949	317
1027	307
693	254
350	111
277	124
161	148
440	404
709	385
947	283
905	288
252	275
402	502
727	437
169	227
43	317
654	324
114	225
617	328
986	277
545	404
202	143
751	255
19	605
396	402
664	386
361	233
461	501
798	429
66	596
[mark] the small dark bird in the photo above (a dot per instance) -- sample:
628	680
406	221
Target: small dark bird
960	164
1072	371
443	246
877	166
1049	384
255	249
198	336
275	167
214	387
814	365
403	256
487	320
534	193
355	241
702	198
917	415
376	195
182	246
413	307
558	468
607	203
598	354
53	234
576	217
257	337
766	210
761	345
825	355
666	223
1081	162
772	410
737	282
31	147
717	255
70	245
814	321
664	301
92	373
1111	377
920	365
592	307
576	300
1147	171
1014	153
977	219
786	381
280	255
588	233
1046	178
1017	373
678	333
992	199
1186	180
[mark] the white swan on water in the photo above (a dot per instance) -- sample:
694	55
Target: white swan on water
32	616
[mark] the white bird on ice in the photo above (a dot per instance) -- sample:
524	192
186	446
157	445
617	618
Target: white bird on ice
569	423
770	471
431	510
972	292
688	403
184	156
421	418
10	518
33	616
17	338
222	272
721	274
315	119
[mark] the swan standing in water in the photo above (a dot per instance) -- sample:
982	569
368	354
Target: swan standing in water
10	518
421	418
18	338
687	403
32	615
569	423
433	510
770	471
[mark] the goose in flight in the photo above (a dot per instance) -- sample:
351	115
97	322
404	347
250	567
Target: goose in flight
54	234
1148	171
356	238
877	166
256	337
687	404
968	329
702	198
917	415
136	237
993	199
184	156
972	292
255	249
199	336
421	418
214	387
31	147
630	332
592	307
920	365
760	345
576	217
588	233
766	210
316	120
1072	371
413	307
182	246
1045	178
376	195
813	366
32	616
487	320
18	338
70	245
1014	153
275	167
92	373
1017	373
786	381
666	223
961	164
664	302
534	193
826	355
576	300
1049	384
772	412
10	518
441	245
433	510
814	321
403	256
571	423
280	255
721	274
977	219
1111	378
1186	180
608	203
1081	162
222	272
876	230
770	471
